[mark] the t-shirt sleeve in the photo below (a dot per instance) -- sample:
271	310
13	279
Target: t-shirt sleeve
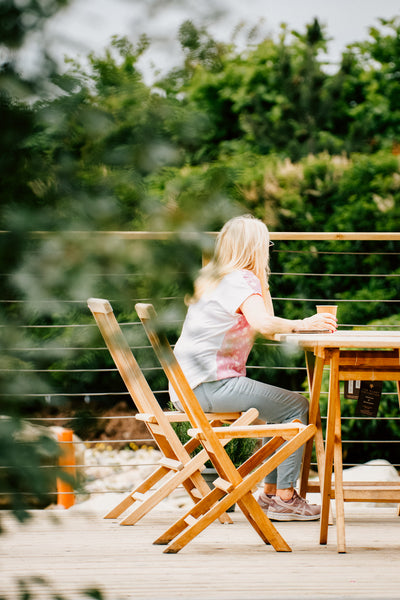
236	288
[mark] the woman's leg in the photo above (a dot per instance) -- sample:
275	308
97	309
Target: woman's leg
275	405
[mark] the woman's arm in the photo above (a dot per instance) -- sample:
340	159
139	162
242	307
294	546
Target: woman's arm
268	303
253	308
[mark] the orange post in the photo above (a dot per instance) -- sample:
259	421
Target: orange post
65	492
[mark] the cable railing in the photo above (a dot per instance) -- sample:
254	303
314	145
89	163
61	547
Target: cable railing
89	394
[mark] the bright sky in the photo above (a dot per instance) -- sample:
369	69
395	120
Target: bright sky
87	25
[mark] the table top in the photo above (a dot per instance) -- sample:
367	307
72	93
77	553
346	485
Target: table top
343	339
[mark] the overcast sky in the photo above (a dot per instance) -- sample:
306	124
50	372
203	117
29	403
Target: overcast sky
87	25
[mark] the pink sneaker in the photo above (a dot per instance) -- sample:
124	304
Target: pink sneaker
264	500
295	509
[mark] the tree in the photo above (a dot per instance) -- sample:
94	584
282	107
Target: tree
375	120
21	455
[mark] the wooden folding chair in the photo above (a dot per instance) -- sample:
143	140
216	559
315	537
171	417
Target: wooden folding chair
177	467
234	485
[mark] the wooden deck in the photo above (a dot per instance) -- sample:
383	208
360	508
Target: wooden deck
226	562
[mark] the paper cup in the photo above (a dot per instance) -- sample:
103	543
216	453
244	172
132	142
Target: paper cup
327	308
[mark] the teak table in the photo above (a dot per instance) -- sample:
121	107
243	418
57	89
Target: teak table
351	356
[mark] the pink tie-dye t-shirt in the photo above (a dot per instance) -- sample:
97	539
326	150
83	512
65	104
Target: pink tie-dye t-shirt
216	340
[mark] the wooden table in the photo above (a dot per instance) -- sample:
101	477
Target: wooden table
351	356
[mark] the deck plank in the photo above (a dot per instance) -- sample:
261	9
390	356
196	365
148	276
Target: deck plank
226	562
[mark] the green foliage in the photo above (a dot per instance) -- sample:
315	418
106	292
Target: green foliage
277	96
19	18
35	586
24	449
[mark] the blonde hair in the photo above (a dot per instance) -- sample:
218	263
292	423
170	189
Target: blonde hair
242	243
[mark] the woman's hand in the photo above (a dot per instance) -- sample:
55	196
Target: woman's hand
319	321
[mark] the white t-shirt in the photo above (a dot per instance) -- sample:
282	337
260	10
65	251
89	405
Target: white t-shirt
216	340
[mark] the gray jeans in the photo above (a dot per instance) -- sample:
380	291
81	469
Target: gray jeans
275	405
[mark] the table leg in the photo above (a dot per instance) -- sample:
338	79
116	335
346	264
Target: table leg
319	446
398	397
338	467
329	444
315	372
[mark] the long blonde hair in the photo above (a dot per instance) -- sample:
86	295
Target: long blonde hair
242	243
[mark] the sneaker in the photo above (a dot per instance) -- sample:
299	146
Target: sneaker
295	509
264	500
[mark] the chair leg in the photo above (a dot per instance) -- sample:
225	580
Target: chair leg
264	527
196	482
194	513
142	488
205	503
218	501
268	533
155	498
188	479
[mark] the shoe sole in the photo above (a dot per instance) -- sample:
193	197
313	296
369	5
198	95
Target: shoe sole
291	517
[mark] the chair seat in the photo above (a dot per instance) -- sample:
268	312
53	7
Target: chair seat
286	431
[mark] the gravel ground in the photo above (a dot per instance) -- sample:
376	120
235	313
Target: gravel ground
110	474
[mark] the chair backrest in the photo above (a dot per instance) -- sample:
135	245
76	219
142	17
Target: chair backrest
187	397
140	391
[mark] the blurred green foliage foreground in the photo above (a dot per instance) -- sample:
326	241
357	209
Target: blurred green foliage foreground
268	129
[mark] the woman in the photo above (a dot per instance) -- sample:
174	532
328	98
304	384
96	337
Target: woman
231	303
